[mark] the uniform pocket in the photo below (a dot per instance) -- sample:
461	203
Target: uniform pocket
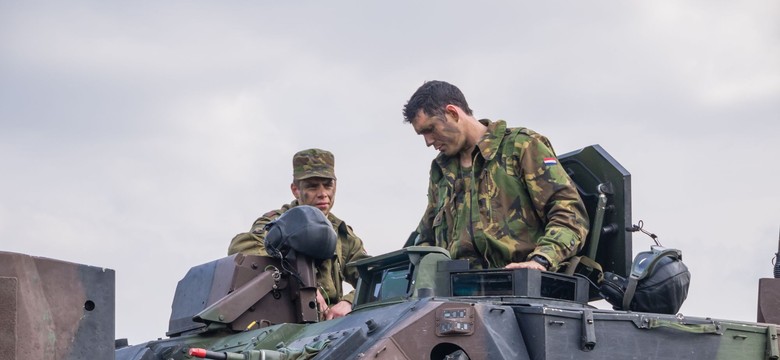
440	228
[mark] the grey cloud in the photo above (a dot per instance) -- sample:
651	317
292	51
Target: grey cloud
143	136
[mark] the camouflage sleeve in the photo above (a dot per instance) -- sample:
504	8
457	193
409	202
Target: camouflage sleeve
425	228
555	200
252	242
355	252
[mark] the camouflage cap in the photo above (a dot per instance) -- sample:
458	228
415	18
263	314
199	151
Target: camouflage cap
313	163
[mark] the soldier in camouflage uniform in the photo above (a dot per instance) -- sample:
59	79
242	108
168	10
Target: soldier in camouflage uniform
497	196
314	183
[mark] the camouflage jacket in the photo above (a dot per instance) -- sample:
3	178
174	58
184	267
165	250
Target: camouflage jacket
524	202
330	273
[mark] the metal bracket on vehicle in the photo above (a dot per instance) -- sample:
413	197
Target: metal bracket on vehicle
588	330
772	352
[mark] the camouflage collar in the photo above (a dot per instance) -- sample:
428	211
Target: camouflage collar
340	224
488	145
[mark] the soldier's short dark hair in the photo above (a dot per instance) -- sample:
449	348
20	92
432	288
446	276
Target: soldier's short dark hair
432	97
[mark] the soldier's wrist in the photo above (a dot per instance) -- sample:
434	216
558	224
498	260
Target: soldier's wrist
541	260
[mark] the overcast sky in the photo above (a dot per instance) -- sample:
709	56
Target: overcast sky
142	136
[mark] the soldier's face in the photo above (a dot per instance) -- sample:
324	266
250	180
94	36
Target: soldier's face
441	132
318	192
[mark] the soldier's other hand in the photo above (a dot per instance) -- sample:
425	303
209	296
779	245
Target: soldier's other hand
321	303
338	310
526	265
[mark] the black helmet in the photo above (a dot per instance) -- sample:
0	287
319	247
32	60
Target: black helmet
304	229
658	283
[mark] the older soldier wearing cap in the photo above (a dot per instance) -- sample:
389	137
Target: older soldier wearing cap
314	183
497	195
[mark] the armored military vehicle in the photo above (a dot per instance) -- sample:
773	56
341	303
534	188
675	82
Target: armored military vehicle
413	303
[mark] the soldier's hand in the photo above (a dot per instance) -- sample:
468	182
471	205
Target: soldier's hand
526	265
338	310
321	303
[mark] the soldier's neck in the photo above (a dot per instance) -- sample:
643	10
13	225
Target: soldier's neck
474	131
466	158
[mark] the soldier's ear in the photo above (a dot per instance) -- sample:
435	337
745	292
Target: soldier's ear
452	111
295	191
